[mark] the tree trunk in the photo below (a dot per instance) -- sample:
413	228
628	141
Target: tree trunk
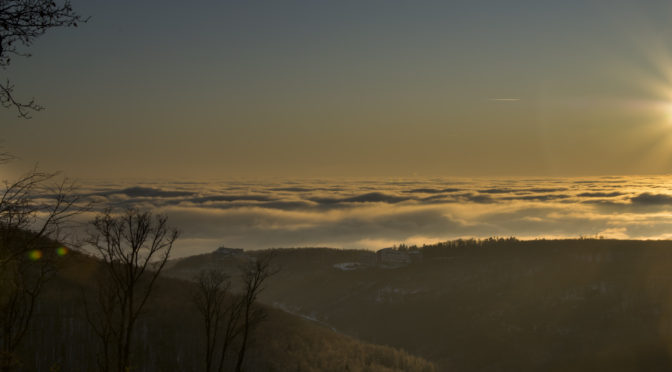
243	346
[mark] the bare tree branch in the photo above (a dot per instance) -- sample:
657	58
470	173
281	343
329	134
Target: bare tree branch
212	291
32	214
134	247
254	275
21	22
7	100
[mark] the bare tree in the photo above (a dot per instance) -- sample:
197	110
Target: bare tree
254	274
221	312
134	247
210	297
21	22
32	215
231	330
229	319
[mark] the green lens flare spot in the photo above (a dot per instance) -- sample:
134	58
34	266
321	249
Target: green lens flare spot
35	254
61	251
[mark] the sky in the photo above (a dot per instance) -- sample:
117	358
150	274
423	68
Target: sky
266	89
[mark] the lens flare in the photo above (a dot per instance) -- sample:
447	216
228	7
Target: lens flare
35	254
61	251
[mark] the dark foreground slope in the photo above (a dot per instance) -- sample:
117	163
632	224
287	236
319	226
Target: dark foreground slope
497	304
169	334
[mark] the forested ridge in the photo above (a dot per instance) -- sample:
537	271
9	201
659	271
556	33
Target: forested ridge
494	304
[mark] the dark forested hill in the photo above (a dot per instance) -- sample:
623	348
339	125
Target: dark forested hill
584	304
169	335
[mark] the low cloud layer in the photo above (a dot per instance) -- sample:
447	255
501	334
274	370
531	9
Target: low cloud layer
378	213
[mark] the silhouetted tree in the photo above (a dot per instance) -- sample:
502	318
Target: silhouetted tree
21	22
29	228
212	290
221	314
254	274
229	319
134	247
231	329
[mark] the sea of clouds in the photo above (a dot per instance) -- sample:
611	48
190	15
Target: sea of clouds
372	214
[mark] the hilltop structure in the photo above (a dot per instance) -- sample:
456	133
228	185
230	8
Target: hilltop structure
398	257
224	251
391	256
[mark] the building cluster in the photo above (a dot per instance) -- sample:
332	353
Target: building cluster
391	257
224	251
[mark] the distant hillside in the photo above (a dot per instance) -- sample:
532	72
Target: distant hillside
188	268
497	304
289	343
169	335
